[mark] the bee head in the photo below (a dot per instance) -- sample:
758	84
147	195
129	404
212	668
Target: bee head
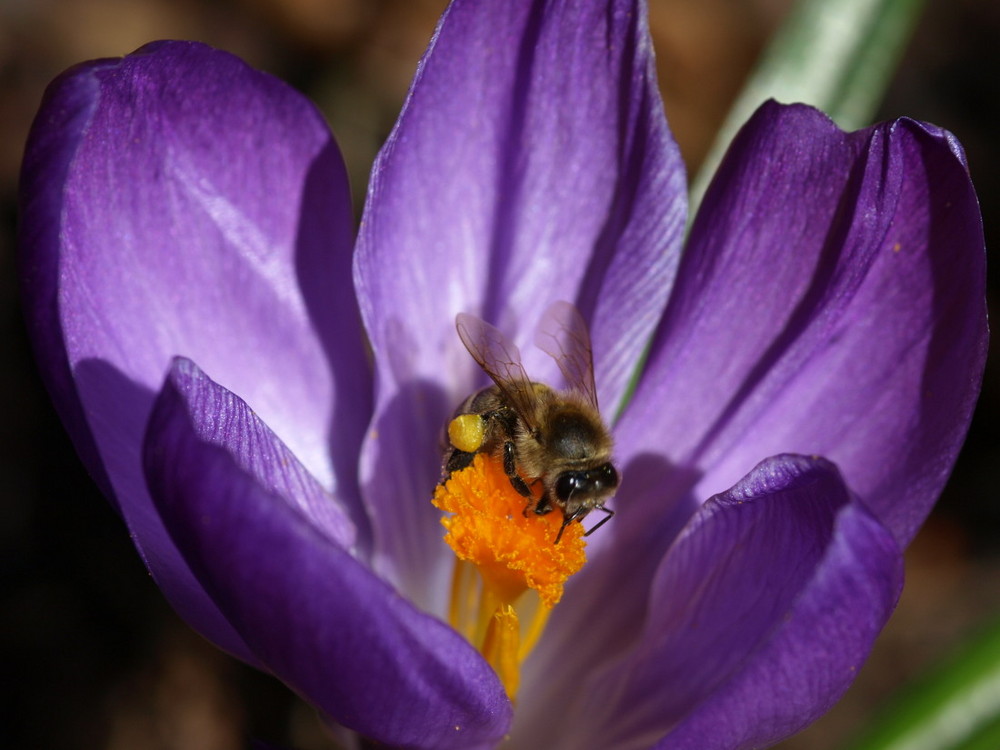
585	488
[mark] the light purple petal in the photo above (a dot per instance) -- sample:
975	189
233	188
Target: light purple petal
831	301
781	565
178	202
312	613
531	163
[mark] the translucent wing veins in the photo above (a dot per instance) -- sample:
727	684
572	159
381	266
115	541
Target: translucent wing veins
501	360
562	333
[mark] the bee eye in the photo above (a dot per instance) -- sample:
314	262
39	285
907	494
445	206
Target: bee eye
570	483
609	477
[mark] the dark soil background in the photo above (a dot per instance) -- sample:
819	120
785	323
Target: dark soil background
92	657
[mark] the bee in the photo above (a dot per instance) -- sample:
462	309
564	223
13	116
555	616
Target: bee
539	434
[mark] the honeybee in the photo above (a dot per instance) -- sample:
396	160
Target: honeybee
539	434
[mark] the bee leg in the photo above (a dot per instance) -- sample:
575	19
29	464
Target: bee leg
578	515
456	461
543	506
566	522
603	521
510	468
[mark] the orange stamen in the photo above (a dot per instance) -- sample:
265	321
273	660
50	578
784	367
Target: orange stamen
514	553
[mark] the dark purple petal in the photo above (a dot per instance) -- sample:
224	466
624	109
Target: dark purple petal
531	163
856	315
756	622
831	301
178	202
312	613
815	654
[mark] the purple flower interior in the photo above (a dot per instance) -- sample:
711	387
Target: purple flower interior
201	313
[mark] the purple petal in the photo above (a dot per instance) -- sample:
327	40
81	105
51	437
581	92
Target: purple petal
220	417
808	663
831	302
758	618
312	614
178	202
531	163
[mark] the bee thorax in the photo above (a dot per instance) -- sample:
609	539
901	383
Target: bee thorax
572	435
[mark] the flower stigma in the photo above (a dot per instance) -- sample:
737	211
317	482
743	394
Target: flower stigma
509	573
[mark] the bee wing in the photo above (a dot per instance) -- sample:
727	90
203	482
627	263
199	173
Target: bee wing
501	360
562	333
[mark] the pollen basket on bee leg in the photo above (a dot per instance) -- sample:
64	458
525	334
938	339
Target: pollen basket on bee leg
467	432
509	573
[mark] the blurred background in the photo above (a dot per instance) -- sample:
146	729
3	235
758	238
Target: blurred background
92	657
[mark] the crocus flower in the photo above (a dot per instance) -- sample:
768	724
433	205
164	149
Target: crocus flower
201	312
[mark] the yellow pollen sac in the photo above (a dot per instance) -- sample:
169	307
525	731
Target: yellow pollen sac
466	432
509	573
